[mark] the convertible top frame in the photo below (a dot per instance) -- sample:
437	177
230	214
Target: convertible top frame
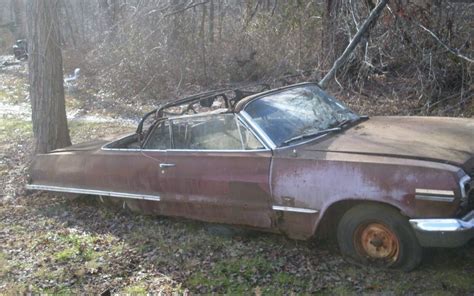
231	97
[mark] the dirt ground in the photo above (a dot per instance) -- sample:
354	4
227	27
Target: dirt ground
63	245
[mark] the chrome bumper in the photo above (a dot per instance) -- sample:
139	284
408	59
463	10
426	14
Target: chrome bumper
444	232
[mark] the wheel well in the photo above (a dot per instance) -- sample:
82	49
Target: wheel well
326	228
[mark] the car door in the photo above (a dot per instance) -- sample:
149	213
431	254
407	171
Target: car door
218	171
152	157
118	170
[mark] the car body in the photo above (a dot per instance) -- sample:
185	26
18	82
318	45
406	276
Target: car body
291	160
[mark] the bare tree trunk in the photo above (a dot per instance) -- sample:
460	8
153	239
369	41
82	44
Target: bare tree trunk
46	77
211	22
352	45
203	42
83	30
332	40
221	10
68	21
20	25
110	11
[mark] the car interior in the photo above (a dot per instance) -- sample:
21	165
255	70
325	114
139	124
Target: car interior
208	132
215	132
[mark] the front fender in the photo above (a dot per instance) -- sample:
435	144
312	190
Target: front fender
318	182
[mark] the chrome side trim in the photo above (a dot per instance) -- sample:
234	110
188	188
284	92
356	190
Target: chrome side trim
292	209
124	149
270	176
184	150
434	192
212	151
92	192
248	119
435	198
237	121
434	195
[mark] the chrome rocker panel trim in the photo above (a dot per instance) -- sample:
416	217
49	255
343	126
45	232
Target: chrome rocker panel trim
293	209
92	192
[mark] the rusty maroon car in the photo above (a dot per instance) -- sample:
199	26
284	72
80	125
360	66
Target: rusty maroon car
292	160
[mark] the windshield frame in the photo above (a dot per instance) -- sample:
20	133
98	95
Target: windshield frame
269	141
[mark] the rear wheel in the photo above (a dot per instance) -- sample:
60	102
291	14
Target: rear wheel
379	236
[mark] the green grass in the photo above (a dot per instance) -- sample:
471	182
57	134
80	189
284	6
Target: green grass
46	274
59	290
455	280
72	103
4	265
66	254
14	288
13	128
4	96
80	247
339	291
136	289
14	90
235	276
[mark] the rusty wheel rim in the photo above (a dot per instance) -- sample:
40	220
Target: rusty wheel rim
377	242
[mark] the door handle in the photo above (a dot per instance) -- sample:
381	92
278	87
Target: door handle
167	165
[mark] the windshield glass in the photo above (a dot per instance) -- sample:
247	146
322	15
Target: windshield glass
297	111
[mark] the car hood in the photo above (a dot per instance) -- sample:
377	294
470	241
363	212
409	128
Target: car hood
448	140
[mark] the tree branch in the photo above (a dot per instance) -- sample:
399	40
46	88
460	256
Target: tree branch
352	45
189	6
451	50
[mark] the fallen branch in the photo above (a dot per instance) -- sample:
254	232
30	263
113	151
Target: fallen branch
352	45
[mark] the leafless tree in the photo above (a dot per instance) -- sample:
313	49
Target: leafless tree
46	77
156	49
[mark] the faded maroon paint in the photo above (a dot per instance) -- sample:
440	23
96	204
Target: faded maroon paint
381	160
432	138
223	187
120	171
316	180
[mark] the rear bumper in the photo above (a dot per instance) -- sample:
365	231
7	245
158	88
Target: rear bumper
447	233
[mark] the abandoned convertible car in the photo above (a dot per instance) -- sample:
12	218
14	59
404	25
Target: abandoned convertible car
292	160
